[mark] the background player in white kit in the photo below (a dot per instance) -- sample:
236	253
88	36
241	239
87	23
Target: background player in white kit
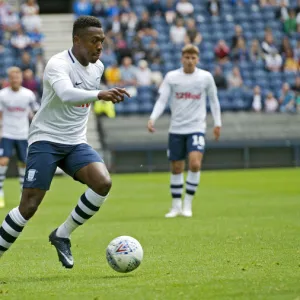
16	105
186	88
57	137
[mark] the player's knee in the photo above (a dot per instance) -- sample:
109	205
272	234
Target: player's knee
103	187
195	166
29	204
4	161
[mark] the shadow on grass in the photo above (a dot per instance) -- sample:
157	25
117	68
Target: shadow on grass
59	278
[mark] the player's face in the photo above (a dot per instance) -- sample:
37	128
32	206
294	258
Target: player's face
15	80
91	44
189	62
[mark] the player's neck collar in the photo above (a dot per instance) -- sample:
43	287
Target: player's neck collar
75	60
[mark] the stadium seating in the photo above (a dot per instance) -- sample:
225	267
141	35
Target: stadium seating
253	20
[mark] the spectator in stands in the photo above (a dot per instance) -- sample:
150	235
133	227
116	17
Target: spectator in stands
297	52
30	7
112	8
290	64
184	8
282	12
238	32
99	9
4	7
286	99
132	22
144	27
178	32
219	78
31	20
273	61
155	8
213	7
170	13
257	99
36	38
285	46
256	53
39	67
26	62
143	74
153	53
82	7
125	7
128	73
222	51
114	26
30	82
271	103
108	55
268	45
20	41
192	36
290	24
240	52
121	47
235	79
113	74
296	90
10	21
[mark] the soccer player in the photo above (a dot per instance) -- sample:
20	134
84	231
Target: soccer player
16	104
187	89
57	137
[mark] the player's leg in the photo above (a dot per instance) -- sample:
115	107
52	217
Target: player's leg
177	152
37	181
6	149
86	166
21	148
195	146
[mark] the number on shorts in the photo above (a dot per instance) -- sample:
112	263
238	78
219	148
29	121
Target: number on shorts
198	140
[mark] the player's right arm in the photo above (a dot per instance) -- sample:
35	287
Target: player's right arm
57	73
159	107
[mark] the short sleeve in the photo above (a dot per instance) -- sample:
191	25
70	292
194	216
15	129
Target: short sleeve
56	70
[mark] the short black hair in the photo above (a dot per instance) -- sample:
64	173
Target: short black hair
84	22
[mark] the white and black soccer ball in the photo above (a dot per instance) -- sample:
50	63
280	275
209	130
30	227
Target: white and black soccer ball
124	254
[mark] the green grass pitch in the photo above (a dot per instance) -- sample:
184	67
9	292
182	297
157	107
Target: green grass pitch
242	243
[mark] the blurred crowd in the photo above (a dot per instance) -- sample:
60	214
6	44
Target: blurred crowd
137	55
21	42
252	47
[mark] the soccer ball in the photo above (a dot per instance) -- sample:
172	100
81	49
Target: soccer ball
124	254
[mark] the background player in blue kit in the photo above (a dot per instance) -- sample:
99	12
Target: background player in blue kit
187	89
57	137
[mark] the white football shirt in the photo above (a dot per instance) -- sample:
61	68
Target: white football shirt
16	107
63	115
187	94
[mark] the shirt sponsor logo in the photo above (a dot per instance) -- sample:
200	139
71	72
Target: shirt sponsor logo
187	96
16	109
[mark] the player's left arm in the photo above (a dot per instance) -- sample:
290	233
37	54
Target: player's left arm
33	104
214	106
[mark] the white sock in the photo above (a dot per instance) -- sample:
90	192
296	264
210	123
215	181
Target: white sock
88	204
21	176
3	170
176	186
192	182
10	229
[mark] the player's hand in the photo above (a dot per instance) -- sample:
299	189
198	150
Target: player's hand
217	132
114	95
150	126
